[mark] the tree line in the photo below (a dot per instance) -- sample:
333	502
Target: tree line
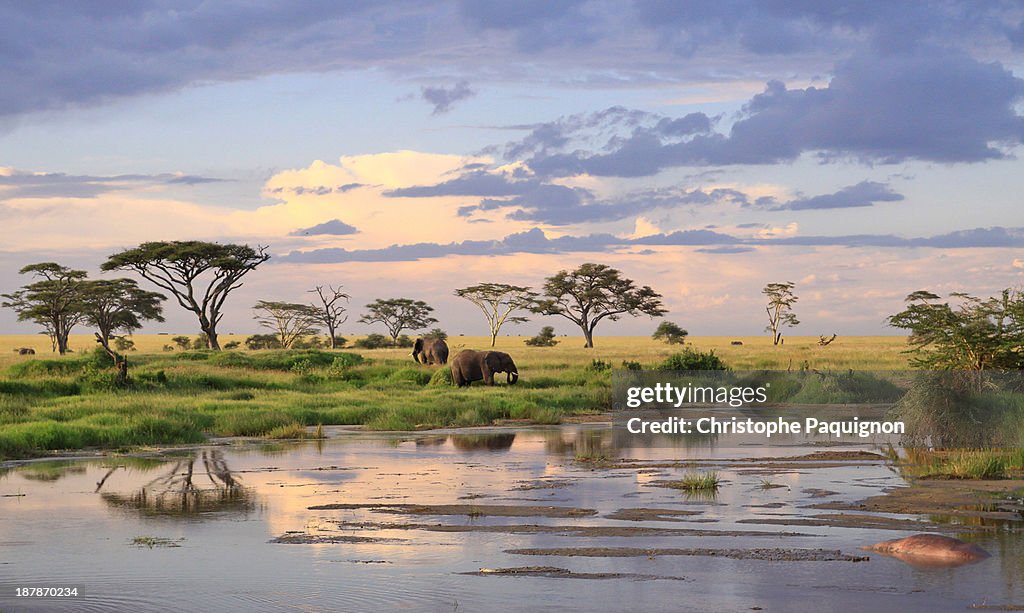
200	276
973	333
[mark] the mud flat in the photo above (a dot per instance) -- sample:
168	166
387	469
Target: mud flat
472	510
762	553
973	504
582	531
554	572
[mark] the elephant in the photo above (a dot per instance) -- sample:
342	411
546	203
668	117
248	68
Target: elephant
430	351
471	366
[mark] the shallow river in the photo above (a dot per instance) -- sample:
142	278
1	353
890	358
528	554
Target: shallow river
409	522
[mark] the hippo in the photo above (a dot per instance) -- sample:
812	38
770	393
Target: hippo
930	551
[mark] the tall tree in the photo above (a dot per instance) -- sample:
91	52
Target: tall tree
780	308
289	320
198	274
53	301
498	301
118	305
594	292
972	334
331	311
399	314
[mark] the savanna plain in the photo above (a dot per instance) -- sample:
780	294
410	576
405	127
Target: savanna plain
50	403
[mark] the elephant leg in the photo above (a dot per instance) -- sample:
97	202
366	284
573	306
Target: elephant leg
488	377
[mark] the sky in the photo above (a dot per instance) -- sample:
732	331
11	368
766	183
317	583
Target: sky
861	150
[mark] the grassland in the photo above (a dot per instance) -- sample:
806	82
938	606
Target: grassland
51	403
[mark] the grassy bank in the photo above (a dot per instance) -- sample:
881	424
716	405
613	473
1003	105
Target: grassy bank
53	403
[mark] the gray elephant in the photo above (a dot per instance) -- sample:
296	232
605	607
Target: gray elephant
430	351
471	366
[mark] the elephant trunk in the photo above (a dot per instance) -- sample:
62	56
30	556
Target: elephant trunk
512	377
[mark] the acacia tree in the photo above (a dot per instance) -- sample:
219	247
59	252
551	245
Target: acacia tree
289	320
53	301
498	301
198	274
398	314
670	332
118	305
592	293
975	334
780	308
331	312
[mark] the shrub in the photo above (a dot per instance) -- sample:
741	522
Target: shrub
124	344
404	341
436	333
262	341
183	342
201	342
232	345
629	365
599	365
411	375
545	338
374	341
441	376
308	342
691	359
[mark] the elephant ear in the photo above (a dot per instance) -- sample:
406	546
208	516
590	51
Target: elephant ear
493	360
418	347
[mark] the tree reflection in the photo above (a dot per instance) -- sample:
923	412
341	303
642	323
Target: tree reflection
182	490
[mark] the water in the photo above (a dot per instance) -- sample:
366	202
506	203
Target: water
215	511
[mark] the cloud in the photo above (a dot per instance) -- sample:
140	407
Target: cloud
444	98
725	250
316	190
555	204
89	55
863	194
17	184
926	104
473	183
334	227
709	241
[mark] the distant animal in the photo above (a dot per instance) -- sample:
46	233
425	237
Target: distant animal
736	343
430	351
470	365
26	351
930	550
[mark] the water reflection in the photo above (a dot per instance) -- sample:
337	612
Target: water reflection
52	471
182	490
483	442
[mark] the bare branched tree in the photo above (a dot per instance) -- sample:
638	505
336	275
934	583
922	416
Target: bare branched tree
332	312
289	320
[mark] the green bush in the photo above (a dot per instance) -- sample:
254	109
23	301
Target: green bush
545	338
441	376
374	341
691	359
